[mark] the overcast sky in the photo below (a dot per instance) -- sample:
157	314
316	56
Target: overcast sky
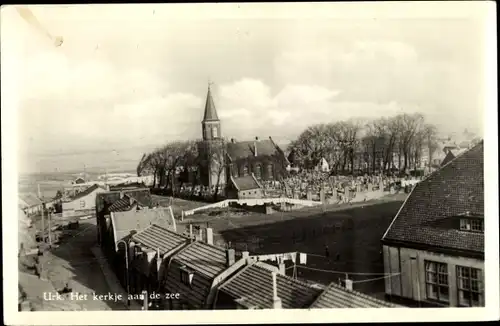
134	76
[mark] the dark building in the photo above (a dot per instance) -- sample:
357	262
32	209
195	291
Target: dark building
435	244
222	160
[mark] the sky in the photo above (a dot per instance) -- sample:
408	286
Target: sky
128	78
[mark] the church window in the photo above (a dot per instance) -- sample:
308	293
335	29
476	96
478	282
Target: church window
270	171
214	132
258	171
245	171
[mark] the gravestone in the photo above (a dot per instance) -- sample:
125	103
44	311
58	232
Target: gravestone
322	195
309	195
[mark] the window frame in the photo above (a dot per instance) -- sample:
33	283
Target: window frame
470	291
471	225
437	283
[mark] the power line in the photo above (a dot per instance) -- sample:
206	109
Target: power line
377	278
340	272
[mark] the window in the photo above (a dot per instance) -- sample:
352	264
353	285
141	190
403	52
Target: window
436	281
186	276
245	170
82	203
214	132
269	171
475	225
470	287
258	171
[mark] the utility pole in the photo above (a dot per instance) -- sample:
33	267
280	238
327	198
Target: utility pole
50	235
43	226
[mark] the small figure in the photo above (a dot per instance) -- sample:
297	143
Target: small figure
327	251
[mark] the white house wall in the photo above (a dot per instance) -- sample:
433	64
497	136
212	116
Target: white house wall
410	284
75	207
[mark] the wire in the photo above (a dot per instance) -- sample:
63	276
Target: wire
340	272
377	278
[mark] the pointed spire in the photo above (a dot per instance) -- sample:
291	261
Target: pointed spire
210	111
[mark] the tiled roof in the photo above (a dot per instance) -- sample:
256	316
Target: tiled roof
456	188
210	111
448	158
87	191
142	195
335	296
158	237
206	261
30	200
245	183
138	220
244	149
254	286
121	205
203	258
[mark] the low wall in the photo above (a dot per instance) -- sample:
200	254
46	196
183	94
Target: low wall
254	202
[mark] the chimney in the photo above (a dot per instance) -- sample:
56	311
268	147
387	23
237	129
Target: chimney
230	257
348	284
209	236
232	140
276	299
190	231
281	267
256	138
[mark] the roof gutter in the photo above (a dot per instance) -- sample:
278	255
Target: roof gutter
430	248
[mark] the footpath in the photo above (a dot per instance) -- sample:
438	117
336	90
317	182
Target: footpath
111	279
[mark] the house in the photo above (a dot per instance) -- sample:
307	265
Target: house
448	158
122	226
26	239
150	250
83	203
105	200
125	223
435	244
245	187
336	296
323	165
30	204
261	286
78	181
220	160
196	271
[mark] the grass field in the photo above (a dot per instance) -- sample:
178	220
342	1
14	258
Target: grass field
351	233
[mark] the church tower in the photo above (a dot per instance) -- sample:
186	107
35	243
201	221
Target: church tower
212	147
211	123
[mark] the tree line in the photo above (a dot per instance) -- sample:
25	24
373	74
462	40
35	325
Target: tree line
373	145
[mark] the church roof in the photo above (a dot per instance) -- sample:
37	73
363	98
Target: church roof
244	149
210	111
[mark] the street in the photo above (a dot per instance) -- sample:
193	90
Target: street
74	265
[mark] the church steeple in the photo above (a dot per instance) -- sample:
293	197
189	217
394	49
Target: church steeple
211	123
210	111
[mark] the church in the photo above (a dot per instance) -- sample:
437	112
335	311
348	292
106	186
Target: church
236	167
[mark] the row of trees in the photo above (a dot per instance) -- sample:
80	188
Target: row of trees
177	163
376	143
